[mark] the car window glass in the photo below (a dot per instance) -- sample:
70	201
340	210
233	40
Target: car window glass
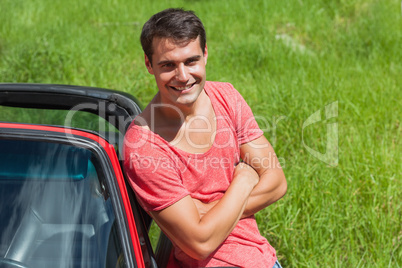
75	119
53	210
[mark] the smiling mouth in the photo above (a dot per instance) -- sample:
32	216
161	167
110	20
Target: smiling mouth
182	88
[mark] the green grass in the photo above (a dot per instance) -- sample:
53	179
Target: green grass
289	59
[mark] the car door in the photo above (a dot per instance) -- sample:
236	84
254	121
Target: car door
72	220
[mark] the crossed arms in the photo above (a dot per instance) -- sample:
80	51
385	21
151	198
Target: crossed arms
198	228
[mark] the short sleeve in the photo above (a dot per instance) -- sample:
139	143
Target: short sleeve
234	106
246	126
152	172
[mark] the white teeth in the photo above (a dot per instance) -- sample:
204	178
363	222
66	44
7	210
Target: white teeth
183	88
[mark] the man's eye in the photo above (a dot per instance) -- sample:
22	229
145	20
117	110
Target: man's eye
192	61
167	65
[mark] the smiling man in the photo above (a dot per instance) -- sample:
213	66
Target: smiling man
196	157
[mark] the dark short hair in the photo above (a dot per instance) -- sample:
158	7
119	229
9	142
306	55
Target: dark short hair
173	23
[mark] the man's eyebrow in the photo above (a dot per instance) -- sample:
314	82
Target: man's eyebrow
196	57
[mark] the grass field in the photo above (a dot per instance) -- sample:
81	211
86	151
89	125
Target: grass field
289	59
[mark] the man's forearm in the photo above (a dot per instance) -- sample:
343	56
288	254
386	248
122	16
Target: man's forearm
260	155
271	187
197	235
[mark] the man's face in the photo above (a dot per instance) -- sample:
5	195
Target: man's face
179	70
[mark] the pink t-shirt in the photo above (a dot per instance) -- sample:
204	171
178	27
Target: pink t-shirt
162	174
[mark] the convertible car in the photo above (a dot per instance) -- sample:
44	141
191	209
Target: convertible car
64	199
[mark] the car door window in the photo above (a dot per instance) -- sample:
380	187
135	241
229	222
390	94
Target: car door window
53	208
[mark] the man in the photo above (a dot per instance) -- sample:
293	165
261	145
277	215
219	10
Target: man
195	157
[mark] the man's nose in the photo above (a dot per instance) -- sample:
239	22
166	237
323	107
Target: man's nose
182	73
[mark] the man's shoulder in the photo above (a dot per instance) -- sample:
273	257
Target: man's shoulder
218	85
134	132
143	120
139	133
221	90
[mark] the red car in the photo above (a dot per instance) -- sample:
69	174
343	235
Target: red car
64	199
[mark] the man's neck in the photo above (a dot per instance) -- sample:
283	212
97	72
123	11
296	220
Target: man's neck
170	121
176	112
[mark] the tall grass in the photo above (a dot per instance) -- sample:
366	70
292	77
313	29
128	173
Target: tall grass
289	59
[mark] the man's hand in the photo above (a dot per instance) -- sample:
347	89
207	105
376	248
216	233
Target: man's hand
245	171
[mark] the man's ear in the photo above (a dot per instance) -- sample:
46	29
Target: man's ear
206	53
148	64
